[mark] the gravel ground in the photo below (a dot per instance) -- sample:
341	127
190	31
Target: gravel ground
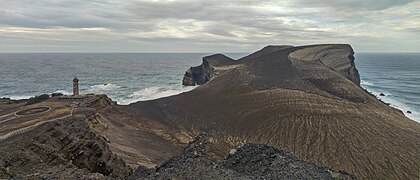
250	161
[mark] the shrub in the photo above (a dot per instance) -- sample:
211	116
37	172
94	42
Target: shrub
56	94
37	99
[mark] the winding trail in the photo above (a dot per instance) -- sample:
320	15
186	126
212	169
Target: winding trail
9	114
26	129
6	120
14	115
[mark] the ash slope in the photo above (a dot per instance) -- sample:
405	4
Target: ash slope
305	100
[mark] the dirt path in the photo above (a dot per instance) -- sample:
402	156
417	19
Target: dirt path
26	129
10	114
14	115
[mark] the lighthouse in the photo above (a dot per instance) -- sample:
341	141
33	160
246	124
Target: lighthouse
75	86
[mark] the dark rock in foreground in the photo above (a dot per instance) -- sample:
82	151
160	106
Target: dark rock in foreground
67	149
250	161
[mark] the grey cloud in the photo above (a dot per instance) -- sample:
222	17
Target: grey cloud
356	5
225	15
67	13
219	11
206	25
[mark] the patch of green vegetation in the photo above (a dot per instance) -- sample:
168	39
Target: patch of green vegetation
335	175
56	94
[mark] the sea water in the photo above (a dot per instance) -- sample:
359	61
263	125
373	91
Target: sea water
124	77
396	75
132	77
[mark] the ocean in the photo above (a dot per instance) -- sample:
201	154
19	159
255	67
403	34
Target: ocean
131	77
396	75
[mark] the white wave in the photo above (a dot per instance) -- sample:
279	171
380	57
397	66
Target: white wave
63	92
154	92
102	88
394	102
19	97
366	83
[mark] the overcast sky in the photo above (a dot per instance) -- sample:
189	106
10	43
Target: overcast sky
206	26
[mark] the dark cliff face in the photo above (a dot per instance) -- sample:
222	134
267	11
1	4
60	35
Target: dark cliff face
199	75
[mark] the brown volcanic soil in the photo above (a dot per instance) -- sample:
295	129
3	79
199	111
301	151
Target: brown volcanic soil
32	111
310	105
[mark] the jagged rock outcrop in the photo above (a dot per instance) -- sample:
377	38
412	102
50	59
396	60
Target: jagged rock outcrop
198	74
203	73
250	161
66	149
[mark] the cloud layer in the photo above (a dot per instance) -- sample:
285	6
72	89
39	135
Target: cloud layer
206	26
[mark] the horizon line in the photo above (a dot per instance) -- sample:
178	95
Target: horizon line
140	52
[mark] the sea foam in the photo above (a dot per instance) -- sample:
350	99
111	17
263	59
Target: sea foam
154	92
394	102
362	82
63	92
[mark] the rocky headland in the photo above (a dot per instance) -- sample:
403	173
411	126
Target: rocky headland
281	112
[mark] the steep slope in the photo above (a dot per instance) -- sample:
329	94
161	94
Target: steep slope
264	51
337	57
305	103
66	149
217	60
